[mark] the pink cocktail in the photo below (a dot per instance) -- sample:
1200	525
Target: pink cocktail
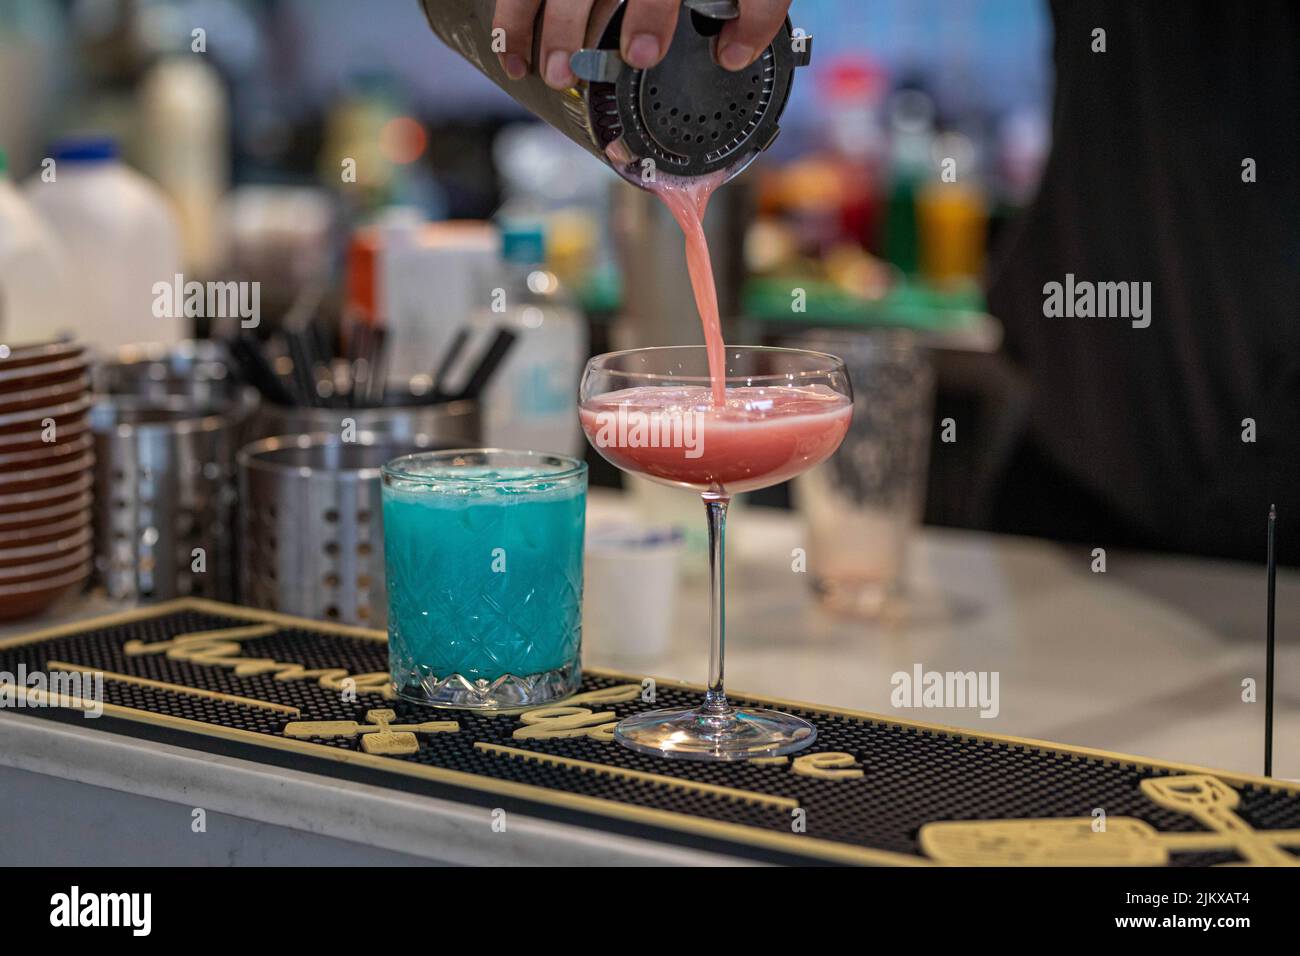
761	436
656	412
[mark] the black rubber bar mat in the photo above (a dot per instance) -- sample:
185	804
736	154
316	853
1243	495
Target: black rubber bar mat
872	790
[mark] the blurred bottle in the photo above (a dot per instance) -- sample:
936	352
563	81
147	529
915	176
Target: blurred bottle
351	153
373	147
185	147
119	231
34	277
853	92
911	123
281	237
532	402
534	161
952	213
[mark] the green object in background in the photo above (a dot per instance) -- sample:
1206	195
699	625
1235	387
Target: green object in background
910	304
902	237
4	163
602	293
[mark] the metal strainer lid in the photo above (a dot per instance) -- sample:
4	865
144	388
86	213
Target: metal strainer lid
688	114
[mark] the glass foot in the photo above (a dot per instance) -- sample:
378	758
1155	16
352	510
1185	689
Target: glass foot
507	692
691	734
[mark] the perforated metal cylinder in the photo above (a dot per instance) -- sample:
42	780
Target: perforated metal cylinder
311	526
453	423
164	498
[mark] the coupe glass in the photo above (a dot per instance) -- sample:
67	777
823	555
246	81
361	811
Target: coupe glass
654	412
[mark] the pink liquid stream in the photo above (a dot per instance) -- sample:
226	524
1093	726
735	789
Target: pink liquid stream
750	437
688	201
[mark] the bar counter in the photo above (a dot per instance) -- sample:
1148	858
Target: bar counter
1146	658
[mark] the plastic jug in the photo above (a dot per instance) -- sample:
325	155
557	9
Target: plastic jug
35	303
122	241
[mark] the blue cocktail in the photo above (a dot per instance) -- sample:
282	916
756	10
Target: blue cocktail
483	554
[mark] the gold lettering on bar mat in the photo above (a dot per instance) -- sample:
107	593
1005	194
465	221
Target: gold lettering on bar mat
174	688
221	649
1126	841
382	738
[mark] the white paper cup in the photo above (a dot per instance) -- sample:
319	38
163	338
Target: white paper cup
630	592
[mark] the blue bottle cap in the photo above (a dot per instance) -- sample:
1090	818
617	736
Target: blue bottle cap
523	242
86	149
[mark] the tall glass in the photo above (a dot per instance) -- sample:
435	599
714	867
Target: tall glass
863	505
483	557
656	413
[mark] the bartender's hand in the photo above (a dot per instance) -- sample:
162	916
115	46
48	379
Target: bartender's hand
647	30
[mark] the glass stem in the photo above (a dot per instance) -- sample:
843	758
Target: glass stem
715	506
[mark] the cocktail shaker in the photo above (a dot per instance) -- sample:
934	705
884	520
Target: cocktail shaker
686	116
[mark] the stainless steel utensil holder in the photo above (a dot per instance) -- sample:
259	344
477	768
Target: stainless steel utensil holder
164	498
311	525
455	424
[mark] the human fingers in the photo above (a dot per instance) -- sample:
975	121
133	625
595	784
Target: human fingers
564	27
742	39
648	27
514	18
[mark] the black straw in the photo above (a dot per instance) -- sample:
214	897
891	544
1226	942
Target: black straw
488	364
438	392
304	376
377	386
1272	597
257	371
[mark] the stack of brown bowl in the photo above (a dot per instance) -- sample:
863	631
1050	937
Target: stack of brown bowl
46	472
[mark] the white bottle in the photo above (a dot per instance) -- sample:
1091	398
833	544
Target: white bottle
185	121
35	302
122	243
532	401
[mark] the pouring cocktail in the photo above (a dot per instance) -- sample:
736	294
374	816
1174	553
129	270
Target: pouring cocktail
654	412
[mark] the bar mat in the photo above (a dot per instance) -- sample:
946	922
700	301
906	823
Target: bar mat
872	790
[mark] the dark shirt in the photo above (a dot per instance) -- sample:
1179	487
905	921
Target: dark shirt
1144	184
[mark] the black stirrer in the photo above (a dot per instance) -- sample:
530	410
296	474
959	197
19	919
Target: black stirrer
303	371
377	387
488	364
257	371
437	393
1268	677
